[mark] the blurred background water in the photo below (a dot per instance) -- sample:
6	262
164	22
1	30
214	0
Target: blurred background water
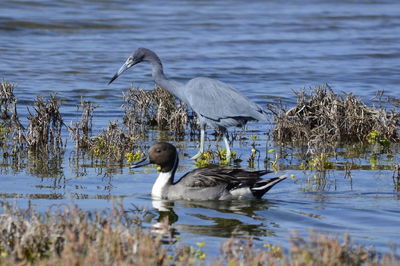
265	49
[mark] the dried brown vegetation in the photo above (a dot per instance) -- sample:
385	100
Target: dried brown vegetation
40	147
111	144
80	131
317	250
70	236
73	237
155	108
45	125
322	116
10	126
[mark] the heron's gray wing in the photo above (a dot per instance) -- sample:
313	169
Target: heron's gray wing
216	100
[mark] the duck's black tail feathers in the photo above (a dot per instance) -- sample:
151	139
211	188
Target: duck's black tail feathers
261	187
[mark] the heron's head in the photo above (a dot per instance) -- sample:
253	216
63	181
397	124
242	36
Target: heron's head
140	55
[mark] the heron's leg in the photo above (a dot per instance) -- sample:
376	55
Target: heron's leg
228	150
202	136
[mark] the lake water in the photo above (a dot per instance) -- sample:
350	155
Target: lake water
263	48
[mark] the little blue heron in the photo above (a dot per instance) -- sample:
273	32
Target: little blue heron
216	104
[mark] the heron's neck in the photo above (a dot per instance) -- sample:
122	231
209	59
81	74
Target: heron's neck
172	86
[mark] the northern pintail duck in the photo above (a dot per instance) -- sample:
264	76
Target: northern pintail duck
207	183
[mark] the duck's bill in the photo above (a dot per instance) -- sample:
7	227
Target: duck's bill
144	162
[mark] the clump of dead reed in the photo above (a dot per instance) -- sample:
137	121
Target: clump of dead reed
10	126
45	125
71	236
40	148
322	116
112	144
80	131
7	100
155	108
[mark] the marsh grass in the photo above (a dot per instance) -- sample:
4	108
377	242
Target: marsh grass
324	121
71	236
321	122
322	118
112	144
157	108
10	126
81	130
67	235
45	126
40	148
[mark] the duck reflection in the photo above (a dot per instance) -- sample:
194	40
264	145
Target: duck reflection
236	218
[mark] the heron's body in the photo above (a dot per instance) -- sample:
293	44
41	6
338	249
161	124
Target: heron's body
219	105
216	103
207	183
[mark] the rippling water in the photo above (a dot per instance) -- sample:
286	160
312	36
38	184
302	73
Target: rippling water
264	49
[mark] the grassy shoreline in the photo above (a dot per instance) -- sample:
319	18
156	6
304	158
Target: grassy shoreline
71	236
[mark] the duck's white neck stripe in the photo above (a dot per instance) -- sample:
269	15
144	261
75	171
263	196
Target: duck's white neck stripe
162	180
160	183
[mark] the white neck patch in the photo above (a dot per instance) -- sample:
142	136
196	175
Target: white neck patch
160	183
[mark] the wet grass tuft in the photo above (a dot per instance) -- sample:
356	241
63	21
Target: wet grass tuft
112	144
45	125
156	108
81	131
322	116
10	126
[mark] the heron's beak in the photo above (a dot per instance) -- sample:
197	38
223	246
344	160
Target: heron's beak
128	64
144	162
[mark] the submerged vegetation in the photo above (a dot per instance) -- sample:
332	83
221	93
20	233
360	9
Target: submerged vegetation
322	126
71	236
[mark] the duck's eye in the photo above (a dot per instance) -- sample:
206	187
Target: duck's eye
158	150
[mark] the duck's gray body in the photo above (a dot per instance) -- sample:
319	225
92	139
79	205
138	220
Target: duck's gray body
207	183
216	103
218	183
